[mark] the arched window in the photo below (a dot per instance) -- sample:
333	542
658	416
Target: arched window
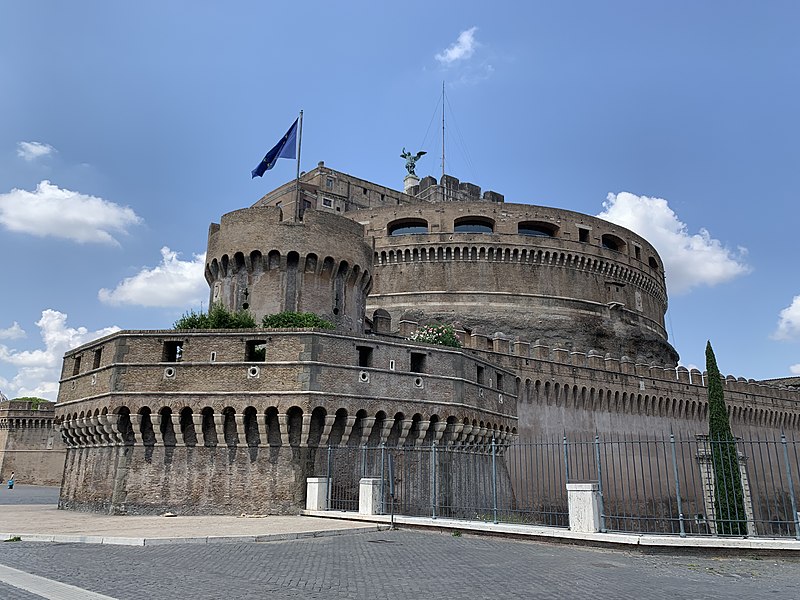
537	229
407	226
473	225
612	242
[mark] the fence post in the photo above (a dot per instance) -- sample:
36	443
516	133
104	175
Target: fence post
494	480
383	478
795	516
677	484
566	459
599	483
364	460
330	476
433	483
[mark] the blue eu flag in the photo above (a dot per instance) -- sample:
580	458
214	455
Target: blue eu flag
286	148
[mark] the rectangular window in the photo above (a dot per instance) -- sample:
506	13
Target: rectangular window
327	203
480	375
638	252
498	378
255	351
329	183
364	191
583	235
417	362
76	365
98	355
364	356
173	351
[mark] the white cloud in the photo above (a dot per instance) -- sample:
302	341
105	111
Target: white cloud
173	283
14	332
38	370
795	369
61	213
32	150
690	260
789	322
462	49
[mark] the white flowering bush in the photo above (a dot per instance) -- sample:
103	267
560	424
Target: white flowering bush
443	335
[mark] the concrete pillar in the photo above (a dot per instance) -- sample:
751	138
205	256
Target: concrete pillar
136	425
386	428
317	493
584	507
369	496
109	422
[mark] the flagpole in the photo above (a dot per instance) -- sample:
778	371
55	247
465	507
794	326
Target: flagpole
297	181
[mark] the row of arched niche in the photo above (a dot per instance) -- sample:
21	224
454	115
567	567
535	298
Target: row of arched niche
253	428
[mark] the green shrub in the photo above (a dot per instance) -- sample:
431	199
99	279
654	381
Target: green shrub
218	317
289	319
443	335
35	402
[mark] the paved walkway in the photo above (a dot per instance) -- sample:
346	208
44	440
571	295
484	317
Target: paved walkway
42	521
330	564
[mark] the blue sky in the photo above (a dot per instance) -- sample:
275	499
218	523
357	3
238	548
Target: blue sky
127	128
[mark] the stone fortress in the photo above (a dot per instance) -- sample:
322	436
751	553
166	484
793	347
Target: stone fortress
561	316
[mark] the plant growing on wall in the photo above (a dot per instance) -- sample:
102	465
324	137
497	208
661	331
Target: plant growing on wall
289	318
35	402
728	495
218	317
443	335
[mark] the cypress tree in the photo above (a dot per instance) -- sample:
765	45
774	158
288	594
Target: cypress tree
728	496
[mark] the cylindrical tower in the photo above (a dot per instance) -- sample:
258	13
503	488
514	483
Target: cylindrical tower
532	272
321	265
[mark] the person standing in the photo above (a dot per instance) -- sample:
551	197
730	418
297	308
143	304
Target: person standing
11	481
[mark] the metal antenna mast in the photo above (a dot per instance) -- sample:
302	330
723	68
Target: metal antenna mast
442	182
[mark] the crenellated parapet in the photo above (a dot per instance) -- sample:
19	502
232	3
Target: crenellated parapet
595	381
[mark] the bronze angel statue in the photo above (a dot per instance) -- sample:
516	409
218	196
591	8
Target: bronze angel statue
411	160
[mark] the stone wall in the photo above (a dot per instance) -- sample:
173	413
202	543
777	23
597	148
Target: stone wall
30	444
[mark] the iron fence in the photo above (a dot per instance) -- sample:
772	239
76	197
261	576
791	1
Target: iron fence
664	485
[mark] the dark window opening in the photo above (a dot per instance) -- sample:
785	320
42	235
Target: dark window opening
327	203
408	227
637	252
417	362
329	183
537	229
652	262
76	365
473	225
173	351
364	356
255	351
480	375
498	380
583	235
98	355
612	242
364	191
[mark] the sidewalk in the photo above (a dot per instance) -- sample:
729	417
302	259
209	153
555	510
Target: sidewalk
42	521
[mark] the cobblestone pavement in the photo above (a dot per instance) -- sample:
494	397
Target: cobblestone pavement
398	565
